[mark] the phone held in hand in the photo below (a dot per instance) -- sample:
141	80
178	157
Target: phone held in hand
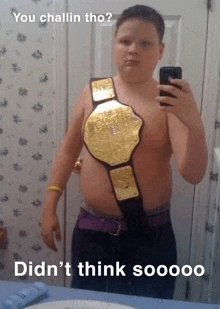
166	74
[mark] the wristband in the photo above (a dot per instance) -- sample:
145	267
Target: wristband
55	188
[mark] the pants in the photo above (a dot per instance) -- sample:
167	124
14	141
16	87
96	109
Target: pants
156	246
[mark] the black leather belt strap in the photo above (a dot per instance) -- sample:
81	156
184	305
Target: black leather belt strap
131	208
133	214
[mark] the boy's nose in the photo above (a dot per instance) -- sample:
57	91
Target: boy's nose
133	48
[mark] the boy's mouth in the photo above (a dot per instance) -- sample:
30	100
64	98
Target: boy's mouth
132	62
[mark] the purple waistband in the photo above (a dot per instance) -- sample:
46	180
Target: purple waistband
88	221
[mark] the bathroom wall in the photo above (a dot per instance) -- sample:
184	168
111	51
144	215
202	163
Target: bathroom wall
27	132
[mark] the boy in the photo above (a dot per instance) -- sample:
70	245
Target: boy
126	221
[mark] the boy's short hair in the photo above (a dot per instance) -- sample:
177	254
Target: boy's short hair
143	12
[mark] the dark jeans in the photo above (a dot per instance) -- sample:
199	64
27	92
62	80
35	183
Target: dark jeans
156	246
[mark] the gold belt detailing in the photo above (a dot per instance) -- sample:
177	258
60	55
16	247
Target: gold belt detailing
111	133
124	183
102	90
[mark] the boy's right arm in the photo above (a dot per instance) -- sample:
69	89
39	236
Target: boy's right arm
61	171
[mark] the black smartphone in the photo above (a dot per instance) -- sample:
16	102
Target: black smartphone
167	73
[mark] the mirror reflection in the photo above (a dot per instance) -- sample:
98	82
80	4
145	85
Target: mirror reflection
125	176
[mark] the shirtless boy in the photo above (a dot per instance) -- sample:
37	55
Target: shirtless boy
166	130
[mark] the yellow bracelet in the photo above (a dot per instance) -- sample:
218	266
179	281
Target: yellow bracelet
55	188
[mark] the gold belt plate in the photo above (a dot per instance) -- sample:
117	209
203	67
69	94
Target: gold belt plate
111	132
102	89
124	183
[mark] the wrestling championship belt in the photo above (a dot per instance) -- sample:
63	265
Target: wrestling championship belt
111	134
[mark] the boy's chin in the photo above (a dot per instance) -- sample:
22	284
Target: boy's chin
135	77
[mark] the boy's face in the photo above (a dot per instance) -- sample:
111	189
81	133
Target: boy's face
138	50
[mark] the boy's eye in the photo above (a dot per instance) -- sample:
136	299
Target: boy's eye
125	42
145	44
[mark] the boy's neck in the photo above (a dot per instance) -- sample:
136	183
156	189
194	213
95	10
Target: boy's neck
140	87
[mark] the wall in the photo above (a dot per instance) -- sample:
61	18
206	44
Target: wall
27	131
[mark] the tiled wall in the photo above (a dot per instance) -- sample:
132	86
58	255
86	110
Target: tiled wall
27	134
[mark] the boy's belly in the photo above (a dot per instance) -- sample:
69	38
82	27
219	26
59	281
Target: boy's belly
154	179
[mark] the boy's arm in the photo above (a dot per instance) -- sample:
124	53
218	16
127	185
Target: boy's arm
64	163
186	131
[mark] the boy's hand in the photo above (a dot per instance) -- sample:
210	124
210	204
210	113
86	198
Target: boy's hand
49	224
183	106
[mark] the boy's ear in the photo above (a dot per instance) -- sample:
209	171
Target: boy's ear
162	49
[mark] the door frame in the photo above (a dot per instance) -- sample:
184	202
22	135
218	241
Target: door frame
60	69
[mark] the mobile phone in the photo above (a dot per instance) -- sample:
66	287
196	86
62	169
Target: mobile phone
167	73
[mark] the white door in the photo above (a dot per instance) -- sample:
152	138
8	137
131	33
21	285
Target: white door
90	55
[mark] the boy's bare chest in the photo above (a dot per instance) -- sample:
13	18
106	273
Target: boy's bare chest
154	132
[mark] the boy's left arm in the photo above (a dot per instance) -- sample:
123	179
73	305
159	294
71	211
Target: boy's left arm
186	131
